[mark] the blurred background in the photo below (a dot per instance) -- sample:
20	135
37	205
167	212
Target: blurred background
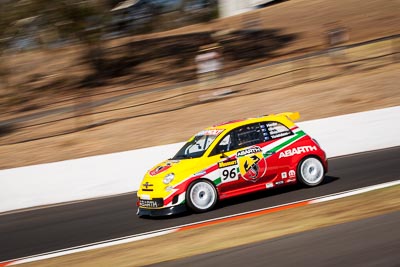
80	78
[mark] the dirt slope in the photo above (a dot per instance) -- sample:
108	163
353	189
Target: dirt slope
366	85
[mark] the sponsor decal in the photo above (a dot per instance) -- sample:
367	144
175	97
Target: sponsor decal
225	164
279	182
160	169
277	135
269	185
292	173
229	174
253	168
297	151
150	203
228	170
247	151
284	175
277	130
272	124
146	186
215	132
252	164
290	180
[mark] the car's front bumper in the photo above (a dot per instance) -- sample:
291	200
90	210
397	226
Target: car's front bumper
162	212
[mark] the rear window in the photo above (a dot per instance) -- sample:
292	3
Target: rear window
277	129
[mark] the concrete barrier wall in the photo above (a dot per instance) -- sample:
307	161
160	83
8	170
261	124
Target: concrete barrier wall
118	173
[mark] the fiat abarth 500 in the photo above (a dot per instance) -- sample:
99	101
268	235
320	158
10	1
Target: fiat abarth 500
229	160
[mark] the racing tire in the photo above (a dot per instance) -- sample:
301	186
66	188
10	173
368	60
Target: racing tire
310	171
201	196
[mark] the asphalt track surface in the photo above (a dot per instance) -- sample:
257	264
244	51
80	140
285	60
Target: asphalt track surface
48	229
369	242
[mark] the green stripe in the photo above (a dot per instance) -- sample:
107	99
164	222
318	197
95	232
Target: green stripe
298	135
217	181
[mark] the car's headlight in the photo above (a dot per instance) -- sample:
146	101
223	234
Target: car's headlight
168	178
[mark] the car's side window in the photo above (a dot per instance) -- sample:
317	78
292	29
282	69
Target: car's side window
225	144
247	135
240	137
277	129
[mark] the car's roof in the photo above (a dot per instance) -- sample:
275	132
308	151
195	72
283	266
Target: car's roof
285	118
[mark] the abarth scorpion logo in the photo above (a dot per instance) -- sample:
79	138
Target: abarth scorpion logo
253	169
252	164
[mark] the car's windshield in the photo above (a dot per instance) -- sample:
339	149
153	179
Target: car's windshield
196	146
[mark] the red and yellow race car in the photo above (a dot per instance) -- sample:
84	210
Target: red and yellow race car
229	160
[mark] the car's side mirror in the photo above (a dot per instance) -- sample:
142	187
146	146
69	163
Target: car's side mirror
223	155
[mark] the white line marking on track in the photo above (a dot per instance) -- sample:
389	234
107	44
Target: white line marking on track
354	192
133	238
88	247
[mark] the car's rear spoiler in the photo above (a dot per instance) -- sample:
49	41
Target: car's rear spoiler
290	115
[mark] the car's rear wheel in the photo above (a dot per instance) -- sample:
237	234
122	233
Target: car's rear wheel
201	196
310	171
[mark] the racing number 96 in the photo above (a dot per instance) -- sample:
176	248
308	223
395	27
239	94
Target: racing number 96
229	174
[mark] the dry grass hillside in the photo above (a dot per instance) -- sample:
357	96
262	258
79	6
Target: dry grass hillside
49	78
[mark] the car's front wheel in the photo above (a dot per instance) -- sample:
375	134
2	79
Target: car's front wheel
201	196
310	171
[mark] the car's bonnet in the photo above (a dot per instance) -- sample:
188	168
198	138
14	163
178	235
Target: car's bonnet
181	168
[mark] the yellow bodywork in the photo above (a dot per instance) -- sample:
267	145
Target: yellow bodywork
185	170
